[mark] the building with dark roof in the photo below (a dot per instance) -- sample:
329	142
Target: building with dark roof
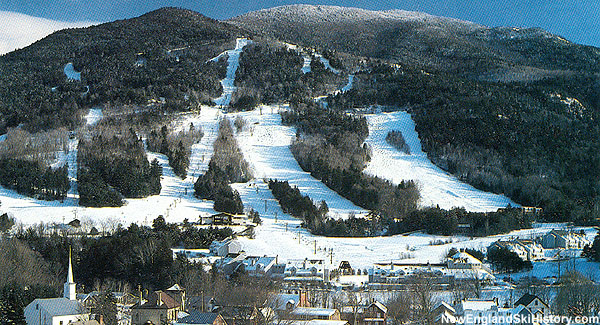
161	307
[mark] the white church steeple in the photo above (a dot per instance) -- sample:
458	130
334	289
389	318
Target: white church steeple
70	286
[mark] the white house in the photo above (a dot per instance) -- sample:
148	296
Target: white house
57	311
564	239
225	247
528	250
463	260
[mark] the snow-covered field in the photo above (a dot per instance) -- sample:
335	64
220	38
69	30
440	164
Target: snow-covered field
436	186
265	144
18	30
233	64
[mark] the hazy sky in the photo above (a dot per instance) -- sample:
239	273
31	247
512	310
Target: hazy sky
576	20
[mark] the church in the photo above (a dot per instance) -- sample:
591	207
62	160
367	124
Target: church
58	311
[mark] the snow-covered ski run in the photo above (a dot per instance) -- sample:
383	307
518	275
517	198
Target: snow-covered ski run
436	186
233	62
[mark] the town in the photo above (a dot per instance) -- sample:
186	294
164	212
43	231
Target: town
508	279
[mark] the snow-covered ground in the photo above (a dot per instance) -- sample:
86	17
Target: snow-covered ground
94	116
233	64
266	147
18	30
176	201
71	73
326	64
437	187
350	83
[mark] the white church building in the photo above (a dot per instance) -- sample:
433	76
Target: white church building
58	311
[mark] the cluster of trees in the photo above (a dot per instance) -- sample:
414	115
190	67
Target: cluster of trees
294	203
125	62
315	217
112	166
25	160
31	178
330	145
136	255
506	261
516	139
177	146
272	74
478	224
396	139
226	166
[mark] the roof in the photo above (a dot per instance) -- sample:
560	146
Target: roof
196	317
379	305
527	299
315	322
167	302
60	306
479	305
175	287
466	257
86	322
311	311
281	300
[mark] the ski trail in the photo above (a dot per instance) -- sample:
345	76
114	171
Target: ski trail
436	186
266	146
350	83
233	62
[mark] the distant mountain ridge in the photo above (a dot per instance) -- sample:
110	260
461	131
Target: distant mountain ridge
426	41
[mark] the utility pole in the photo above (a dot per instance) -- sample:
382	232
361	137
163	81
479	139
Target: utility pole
315	247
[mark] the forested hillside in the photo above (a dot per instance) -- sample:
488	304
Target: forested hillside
160	57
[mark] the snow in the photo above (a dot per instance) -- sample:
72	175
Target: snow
71	73
18	30
326	64
94	116
233	62
266	147
306	64
349	85
175	202
436	186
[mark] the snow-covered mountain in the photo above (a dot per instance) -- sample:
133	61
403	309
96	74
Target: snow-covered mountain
18	30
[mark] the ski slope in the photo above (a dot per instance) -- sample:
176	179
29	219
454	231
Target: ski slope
233	62
265	145
349	85
281	235
175	202
437	187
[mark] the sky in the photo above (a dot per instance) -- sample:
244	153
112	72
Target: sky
576	20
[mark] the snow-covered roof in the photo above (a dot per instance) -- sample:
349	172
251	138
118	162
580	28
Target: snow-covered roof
59	306
175	287
478	305
316	322
466	257
314	312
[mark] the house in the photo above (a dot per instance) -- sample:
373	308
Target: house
259	265
196	317
290	300
444	314
224	219
58	311
477	311
225	247
306	271
161	307
463	260
311	313
564	239
527	250
375	314
240	315
536	305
